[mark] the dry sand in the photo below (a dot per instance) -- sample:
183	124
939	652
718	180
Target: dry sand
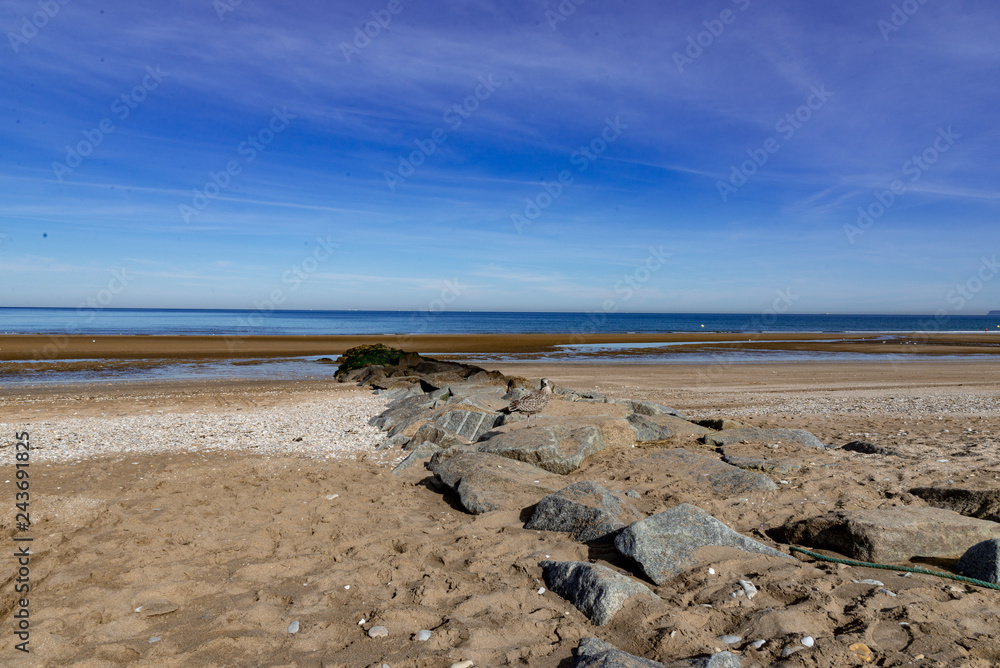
214	549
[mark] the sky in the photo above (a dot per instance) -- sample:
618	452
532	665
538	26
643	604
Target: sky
517	155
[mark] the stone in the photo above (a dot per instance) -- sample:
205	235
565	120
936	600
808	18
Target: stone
755	434
890	535
719	660
597	591
703	471
595	653
406	410
423	635
866	448
719	424
378	632
557	449
586	510
293	627
567	394
981	561
486	482
732	454
650	408
397	441
435	434
425	450
647	430
983	504
664	545
469	425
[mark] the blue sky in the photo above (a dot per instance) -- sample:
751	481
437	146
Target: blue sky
713	156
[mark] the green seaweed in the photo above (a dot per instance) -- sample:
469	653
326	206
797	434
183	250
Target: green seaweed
362	356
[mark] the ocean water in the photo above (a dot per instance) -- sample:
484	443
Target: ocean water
319	323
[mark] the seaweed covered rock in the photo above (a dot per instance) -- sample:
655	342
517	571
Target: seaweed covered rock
373	355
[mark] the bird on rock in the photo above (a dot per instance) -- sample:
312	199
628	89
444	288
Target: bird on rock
534	403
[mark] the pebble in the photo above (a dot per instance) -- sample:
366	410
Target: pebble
730	640
869	581
792	649
541	590
863	652
757	644
886	591
749	588
293	627
378	632
711	571
423	635
808	641
462	664
155	639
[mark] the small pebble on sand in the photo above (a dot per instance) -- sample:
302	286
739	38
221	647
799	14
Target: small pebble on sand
462	664
378	632
155	639
730	640
423	635
757	644
808	641
293	627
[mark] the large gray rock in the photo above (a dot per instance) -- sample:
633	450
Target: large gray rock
890	535
425	450
557	449
397	441
486	482
403	412
757	435
597	591
595	653
981	561
648	430
470	425
650	408
980	503
747	457
664	544
434	434
720	660
584	509
723	479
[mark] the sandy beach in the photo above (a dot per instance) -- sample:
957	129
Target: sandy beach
190	524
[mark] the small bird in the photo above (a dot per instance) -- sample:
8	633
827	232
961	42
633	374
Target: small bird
534	403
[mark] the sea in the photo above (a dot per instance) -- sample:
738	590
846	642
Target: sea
63	321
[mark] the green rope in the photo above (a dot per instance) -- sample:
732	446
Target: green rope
907	569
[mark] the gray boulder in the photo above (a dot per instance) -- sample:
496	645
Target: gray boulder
486	482
650	408
557	449
397	441
647	430
702	471
981	561
752	463
719	424
866	448
597	591
595	653
754	434
980	503
423	451
403	412
470	425
584	509
434	434
664	544
890	535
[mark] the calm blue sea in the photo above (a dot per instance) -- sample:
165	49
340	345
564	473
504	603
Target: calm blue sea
171	321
